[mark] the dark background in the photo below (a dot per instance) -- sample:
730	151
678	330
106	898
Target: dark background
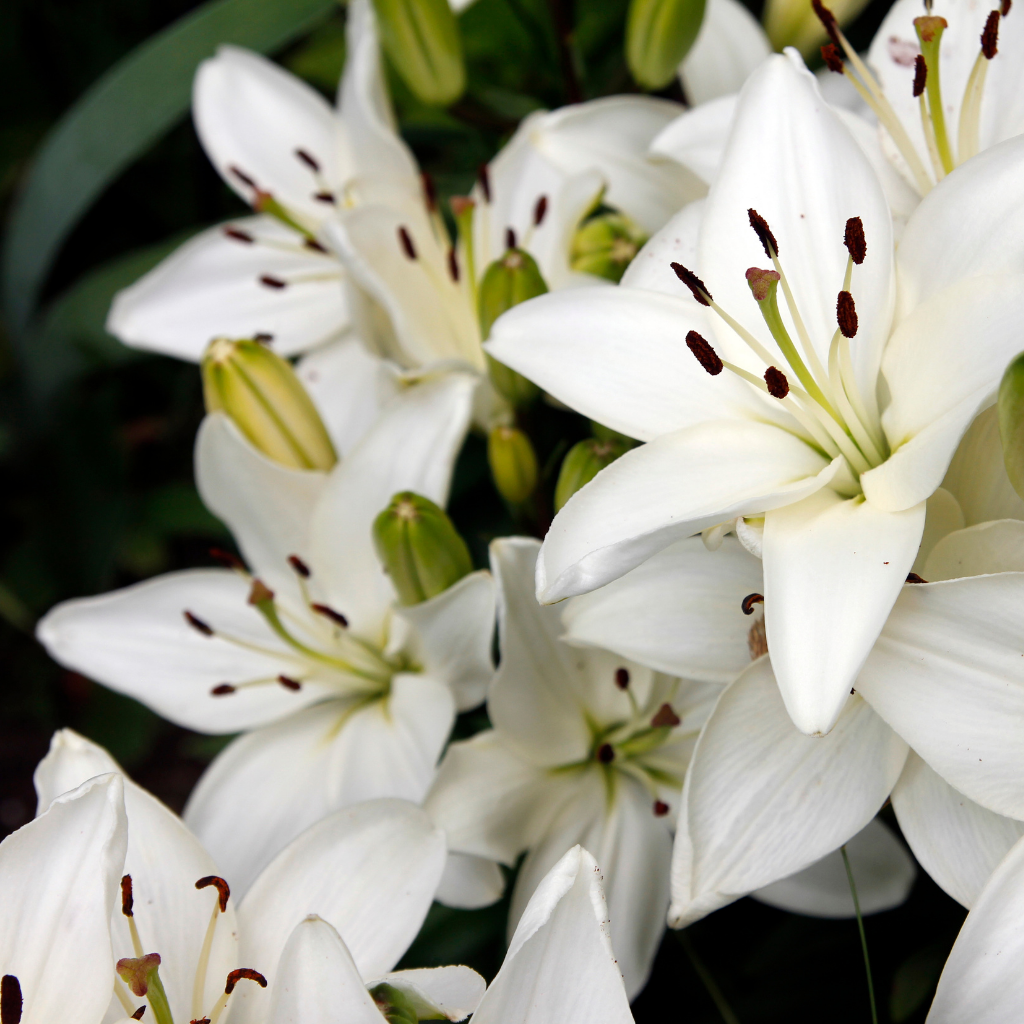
96	484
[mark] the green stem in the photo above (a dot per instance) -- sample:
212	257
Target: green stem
863	937
709	982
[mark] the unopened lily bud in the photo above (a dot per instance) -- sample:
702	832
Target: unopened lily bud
1011	422
794	22
659	34
266	400
605	245
394	1004
422	39
583	462
419	547
509	280
513	463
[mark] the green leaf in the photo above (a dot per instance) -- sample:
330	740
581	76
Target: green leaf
120	117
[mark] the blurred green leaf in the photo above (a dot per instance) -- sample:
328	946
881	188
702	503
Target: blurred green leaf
914	981
177	509
118	119
320	59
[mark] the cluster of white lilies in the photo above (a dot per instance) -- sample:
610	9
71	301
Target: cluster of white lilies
797	597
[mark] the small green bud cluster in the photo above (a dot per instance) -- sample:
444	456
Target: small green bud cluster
587	458
513	463
659	34
605	244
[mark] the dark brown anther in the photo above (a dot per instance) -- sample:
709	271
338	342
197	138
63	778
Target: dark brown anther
828	21
244	178
606	753
260	593
289	684
483	175
312	243
263	338
239	235
540	211
665	718
10	1000
453	266
854	240
139	1013
329	613
310	161
429	191
912	577
227	559
990	35
1004	7
833	58
299	566
197	624
920	75
269	281
510	238
747	604
846	314
660	808
778	385
764	233
127	899
706	355
201	1020
622	678
222	690
324	197
405	240
693	282
243	972
223	889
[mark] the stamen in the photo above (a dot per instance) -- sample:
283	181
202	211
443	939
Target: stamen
660	808
694	283
312	243
764	233
912	577
990	35
239	235
854	240
484	177
828	21
228	560
222	690
127	899
453	266
11	1002
233	979
622	678
219	907
778	385
288	683
139	1013
429	192
665	717
328	612
263	338
846	314
299	566
706	355
606	753
510	238
222	887
540	211
970	108
243	177
920	75
269	281
1004	8
310	161
197	624
325	197
405	240
747	604
833	59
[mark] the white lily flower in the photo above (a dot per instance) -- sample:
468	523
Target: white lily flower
173	903
587	747
281	147
341	695
841	482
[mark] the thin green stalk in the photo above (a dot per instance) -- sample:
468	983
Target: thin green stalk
863	937
709	982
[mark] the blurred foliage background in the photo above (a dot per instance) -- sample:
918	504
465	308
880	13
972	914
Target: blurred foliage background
96	483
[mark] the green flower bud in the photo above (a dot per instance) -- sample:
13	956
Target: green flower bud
394	1004
513	463
419	548
509	280
605	245
794	23
583	462
422	39
659	34
1011	422
261	393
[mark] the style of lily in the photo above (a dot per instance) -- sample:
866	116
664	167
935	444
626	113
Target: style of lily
298	163
799	428
340	694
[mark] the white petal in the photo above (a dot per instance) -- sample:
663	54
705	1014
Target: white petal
350	387
943	516
676	242
790	158
957	841
470	882
164	860
697	138
210	287
832	570
253	115
560	968
668	489
882	871
370	870
450	992
762	800
948	676
730	44
679	612
452	636
985	548
136	641
58	883
413	447
317	982
267	506
982	981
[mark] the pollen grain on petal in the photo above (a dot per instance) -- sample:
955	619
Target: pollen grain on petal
854	240
705	354
747	604
222	887
243	973
833	58
763	232
694	283
778	383
846	314
920	75
990	35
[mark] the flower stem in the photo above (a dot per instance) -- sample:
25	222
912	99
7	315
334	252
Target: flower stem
863	937
709	982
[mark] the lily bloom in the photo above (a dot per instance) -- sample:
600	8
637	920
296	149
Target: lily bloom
832	413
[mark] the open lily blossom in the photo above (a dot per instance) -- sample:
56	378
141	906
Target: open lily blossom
587	747
341	695
298	163
800	431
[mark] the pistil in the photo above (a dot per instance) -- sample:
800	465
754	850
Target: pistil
929	33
